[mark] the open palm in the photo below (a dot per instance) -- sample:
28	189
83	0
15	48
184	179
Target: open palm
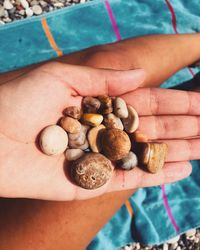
36	100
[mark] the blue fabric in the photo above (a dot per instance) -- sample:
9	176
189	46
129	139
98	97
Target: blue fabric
75	28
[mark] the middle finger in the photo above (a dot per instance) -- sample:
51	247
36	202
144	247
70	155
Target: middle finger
170	127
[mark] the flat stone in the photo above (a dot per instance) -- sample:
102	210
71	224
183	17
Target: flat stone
120	108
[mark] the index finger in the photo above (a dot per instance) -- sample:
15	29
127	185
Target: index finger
157	101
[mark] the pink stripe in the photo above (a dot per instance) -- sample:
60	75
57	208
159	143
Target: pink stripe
168	209
113	21
174	24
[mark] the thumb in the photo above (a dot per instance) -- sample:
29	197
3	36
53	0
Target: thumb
87	81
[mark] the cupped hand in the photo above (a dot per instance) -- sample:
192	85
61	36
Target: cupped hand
37	99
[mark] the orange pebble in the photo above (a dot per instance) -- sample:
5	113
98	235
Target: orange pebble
139	136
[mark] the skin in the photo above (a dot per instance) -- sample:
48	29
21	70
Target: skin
25	215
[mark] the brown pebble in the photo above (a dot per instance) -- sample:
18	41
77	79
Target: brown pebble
116	144
94	138
139	136
106	104
73	111
112	121
153	156
91	171
70	125
92	119
91	104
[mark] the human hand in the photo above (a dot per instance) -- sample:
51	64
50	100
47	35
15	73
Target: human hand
37	99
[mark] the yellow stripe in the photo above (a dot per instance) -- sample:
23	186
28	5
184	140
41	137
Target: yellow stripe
50	37
129	207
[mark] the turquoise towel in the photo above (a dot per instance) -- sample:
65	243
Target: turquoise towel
37	39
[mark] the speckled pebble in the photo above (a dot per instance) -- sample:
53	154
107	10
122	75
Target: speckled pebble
120	108
91	104
73	111
131	123
70	125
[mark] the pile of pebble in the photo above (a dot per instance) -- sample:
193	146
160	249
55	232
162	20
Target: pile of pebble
101	132
11	10
188	241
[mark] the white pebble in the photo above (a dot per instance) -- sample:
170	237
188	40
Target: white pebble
37	10
1	22
165	246
2	11
178	248
29	12
24	4
53	140
7	5
73	154
191	232
120	108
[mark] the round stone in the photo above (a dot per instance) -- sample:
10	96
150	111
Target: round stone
37	10
70	125
53	140
129	162
90	104
91	171
115	144
29	12
120	108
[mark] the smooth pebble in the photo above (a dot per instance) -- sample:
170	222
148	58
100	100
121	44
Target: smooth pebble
53	140
112	121
91	104
7	5
92	119
94	138
129	162
29	12
37	10
120	108
24	4
131	123
73	154
70	125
